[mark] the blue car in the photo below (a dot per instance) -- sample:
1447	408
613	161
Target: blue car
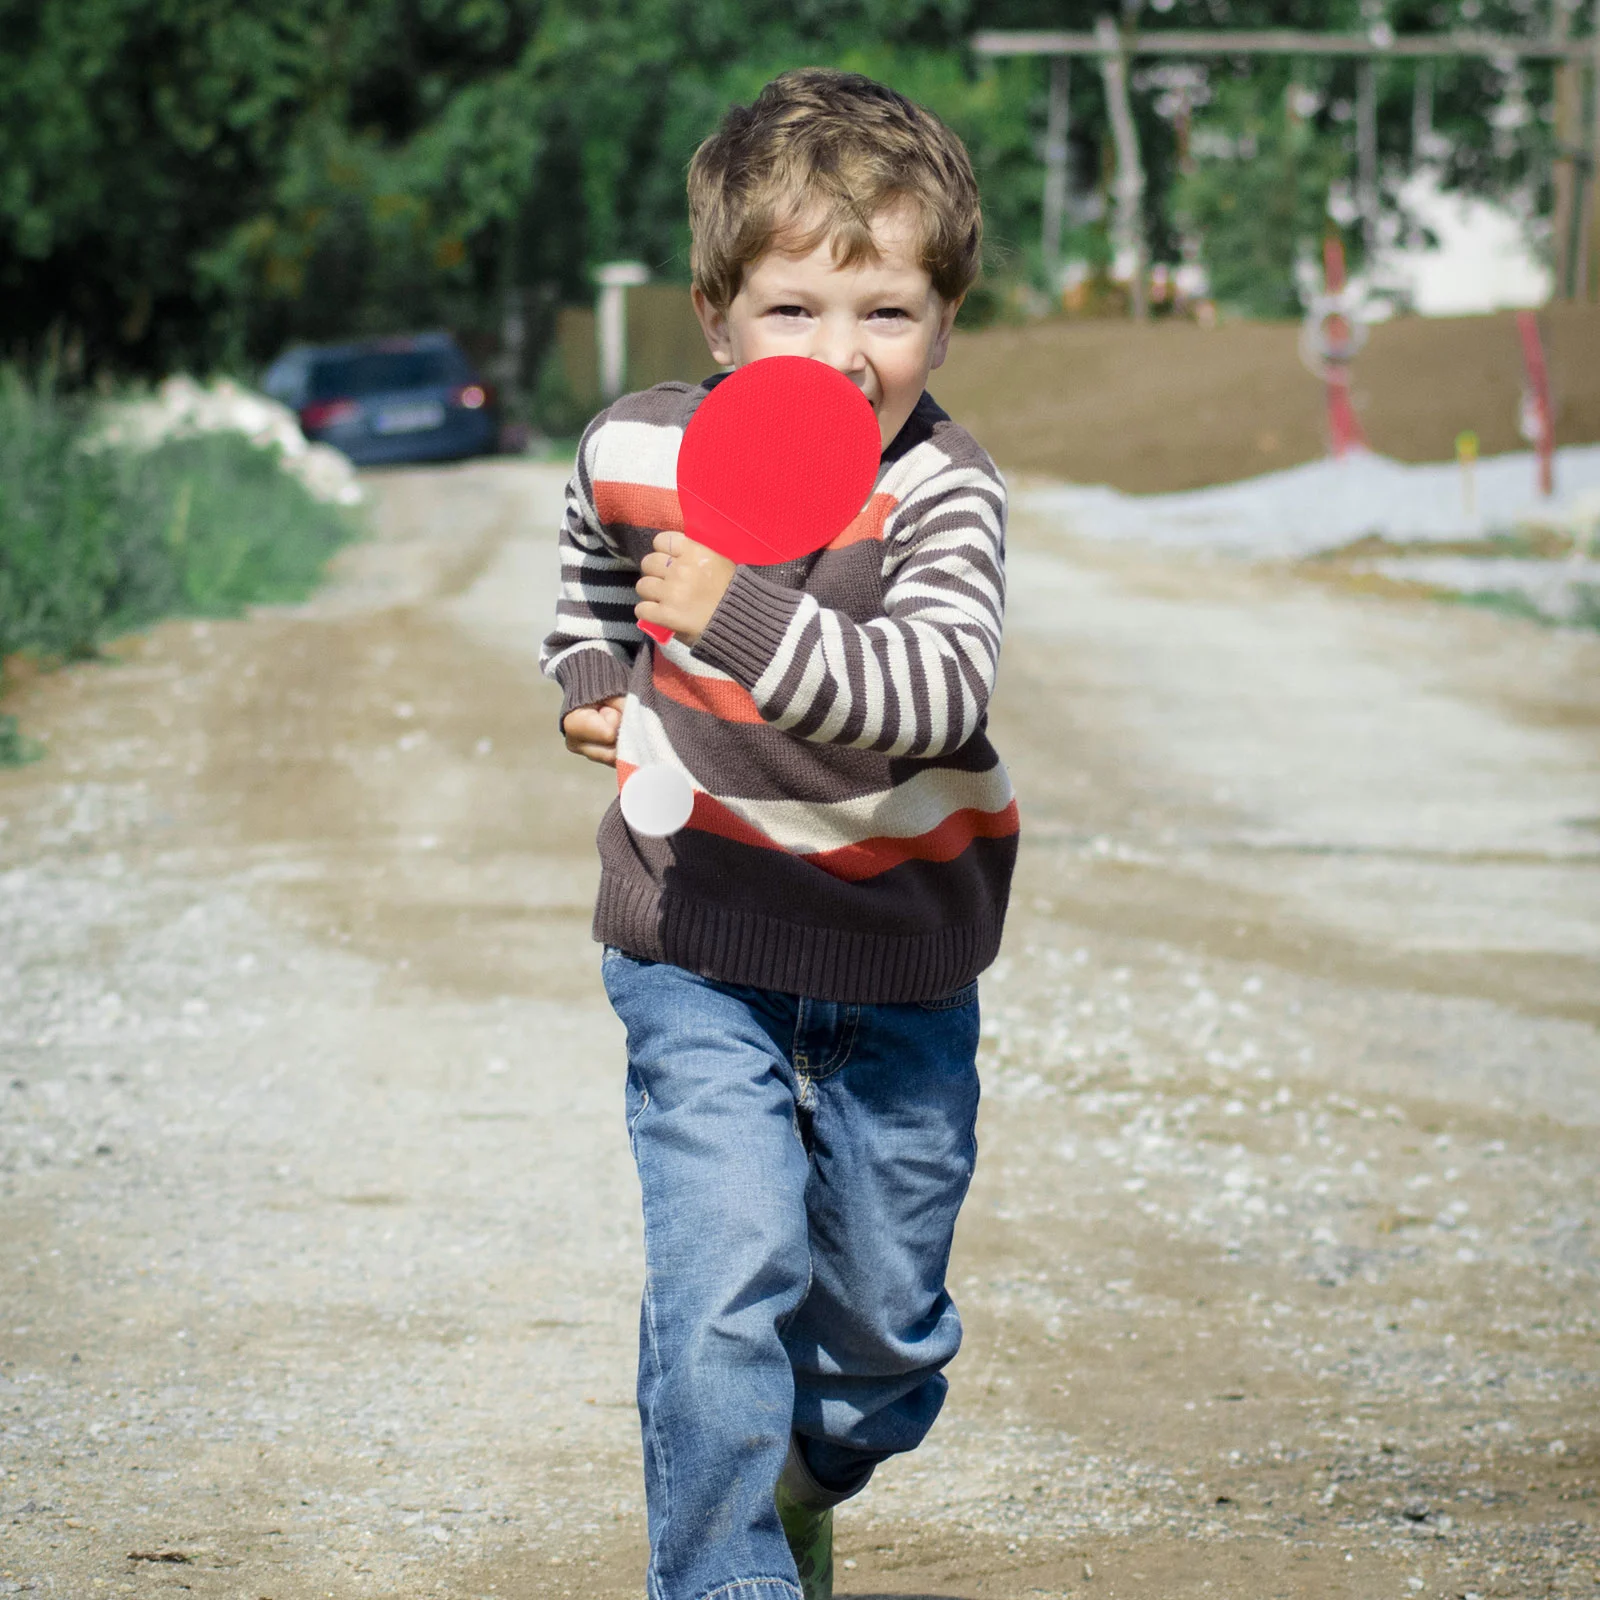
389	400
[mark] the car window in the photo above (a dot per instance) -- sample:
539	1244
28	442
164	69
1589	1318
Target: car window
378	371
285	379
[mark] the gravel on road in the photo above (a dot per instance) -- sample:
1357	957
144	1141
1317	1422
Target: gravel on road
320	1253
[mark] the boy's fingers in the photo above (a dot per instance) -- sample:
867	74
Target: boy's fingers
650	589
592	722
655	564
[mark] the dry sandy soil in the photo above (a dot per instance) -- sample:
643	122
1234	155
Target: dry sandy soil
320	1244
1172	405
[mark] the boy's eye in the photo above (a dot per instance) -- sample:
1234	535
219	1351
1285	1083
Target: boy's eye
788	311
892	313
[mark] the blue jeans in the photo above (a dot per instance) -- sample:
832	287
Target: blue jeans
802	1163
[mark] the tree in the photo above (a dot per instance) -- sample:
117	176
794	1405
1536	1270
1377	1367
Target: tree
192	182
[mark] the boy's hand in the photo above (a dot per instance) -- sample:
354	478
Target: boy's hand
682	585
591	731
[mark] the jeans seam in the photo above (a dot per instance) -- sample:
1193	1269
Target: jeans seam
657	1439
959	1001
840	1058
633	1121
750	1583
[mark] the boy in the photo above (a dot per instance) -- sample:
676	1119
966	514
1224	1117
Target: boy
796	968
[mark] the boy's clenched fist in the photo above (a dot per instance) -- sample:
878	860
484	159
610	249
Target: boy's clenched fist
591	731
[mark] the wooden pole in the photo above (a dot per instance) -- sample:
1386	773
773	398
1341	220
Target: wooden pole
1422	113
1590	280
1056	153
1129	229
1565	176
1367	157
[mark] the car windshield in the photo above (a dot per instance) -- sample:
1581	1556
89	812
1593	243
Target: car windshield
382	371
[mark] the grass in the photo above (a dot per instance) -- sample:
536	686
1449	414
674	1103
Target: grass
16	748
1507	602
97	541
1530	543
1515	603
1586	612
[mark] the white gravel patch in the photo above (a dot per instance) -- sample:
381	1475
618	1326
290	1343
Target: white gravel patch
1325	505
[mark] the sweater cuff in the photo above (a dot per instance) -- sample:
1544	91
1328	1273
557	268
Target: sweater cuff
587	677
748	626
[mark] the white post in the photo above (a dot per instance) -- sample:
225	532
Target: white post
615	278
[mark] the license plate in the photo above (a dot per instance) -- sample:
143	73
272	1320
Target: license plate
409	419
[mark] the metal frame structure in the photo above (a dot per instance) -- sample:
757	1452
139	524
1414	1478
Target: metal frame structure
1381	43
1578	174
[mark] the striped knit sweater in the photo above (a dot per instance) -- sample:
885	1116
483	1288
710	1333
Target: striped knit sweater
854	832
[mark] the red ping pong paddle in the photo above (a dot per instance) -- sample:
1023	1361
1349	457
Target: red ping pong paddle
775	463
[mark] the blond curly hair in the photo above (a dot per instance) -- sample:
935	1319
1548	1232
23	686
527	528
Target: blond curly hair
819	155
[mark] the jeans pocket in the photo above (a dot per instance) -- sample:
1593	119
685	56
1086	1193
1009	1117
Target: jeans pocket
963	996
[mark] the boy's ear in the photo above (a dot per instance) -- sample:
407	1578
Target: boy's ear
941	340
714	324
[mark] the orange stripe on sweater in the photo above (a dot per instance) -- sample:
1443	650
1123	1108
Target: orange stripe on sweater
868	523
855	862
717	697
638	505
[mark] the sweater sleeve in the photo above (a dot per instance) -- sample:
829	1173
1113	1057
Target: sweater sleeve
913	682
590	652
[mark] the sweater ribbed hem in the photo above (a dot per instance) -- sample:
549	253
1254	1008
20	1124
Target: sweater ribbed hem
847	967
588	677
747	626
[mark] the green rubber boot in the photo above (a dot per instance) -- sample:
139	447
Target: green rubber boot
805	1509
810	1536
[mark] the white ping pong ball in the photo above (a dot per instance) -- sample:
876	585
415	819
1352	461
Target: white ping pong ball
657	801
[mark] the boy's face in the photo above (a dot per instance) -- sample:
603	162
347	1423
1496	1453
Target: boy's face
881	324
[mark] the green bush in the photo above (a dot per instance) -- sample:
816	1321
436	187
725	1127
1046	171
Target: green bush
58	524
97	540
214	524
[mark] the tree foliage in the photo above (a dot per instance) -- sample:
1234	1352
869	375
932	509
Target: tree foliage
196	181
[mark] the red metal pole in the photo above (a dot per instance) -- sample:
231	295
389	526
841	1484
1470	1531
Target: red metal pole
1544	422
1344	426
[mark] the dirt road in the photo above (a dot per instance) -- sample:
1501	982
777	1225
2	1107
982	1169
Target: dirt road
319	1247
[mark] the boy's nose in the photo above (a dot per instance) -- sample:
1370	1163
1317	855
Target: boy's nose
842	351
